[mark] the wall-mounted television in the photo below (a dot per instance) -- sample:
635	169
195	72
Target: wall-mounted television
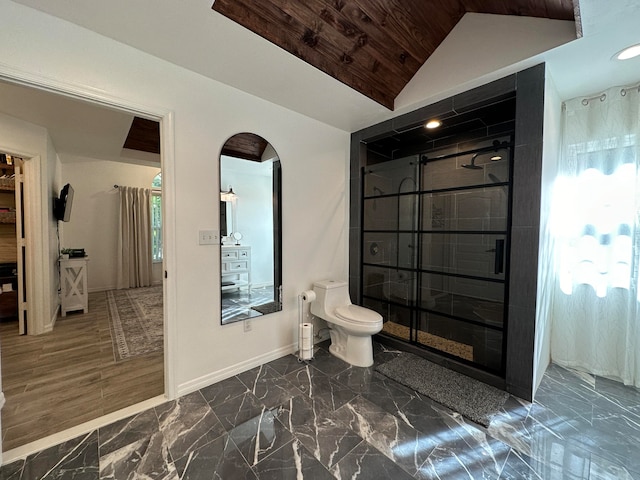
62	205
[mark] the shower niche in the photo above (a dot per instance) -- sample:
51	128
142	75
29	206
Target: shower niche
437	250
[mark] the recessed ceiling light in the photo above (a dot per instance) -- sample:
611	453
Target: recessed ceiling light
629	52
433	124
495	158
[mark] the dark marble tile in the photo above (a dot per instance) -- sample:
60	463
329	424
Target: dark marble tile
260	437
222	391
328	364
459	447
399	442
317	427
321	387
286	364
74	459
387	393
518	467
291	462
357	378
383	354
187	424
130	430
603	469
12	471
367	463
218	460
238	410
626	396
510	425
615	436
269	387
145	458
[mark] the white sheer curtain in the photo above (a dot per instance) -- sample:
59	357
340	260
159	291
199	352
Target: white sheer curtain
596	228
134	240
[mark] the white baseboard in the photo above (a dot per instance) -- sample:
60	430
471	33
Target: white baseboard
214	377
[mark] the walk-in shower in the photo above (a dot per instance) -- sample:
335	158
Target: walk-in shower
435	249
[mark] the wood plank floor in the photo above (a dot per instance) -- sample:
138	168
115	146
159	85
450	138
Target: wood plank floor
66	377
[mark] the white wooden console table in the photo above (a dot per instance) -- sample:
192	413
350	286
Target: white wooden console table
73	275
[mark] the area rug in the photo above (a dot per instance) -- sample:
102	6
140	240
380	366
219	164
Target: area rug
452	347
135	321
469	397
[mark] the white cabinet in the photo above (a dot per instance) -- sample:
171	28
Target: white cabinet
73	274
235	267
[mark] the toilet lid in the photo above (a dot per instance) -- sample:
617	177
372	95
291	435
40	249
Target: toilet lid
356	314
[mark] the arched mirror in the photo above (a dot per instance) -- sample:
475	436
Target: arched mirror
250	228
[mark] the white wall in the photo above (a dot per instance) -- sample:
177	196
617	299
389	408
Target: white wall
95	212
482	48
252	182
550	152
206	113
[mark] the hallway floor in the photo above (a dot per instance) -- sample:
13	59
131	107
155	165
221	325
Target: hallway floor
330	420
69	376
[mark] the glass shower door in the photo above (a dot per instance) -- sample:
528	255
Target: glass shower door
390	243
464	240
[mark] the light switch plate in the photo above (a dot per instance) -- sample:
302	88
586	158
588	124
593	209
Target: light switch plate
208	237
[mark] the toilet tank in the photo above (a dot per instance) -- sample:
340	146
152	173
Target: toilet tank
330	294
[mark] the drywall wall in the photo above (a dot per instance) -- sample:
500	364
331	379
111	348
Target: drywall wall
546	264
482	48
95	213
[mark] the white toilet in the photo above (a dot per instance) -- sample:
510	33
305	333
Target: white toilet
350	326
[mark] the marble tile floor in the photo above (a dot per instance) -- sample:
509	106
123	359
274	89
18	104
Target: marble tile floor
325	419
236	304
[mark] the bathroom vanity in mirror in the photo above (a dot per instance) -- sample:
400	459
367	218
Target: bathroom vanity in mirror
235	267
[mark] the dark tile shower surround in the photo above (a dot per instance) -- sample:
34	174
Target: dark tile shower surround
402	136
288	420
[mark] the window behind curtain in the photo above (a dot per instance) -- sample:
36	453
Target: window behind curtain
156	218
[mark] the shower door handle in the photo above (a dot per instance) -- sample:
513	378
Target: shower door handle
499	257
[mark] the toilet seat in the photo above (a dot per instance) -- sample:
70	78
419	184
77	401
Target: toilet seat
358	315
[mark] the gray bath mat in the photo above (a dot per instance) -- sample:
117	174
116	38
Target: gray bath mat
471	398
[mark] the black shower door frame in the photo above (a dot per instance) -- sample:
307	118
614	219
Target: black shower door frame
417	305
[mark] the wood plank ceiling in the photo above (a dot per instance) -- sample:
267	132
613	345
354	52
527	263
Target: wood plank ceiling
373	46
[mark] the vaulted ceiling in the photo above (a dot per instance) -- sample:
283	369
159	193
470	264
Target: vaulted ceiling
373	46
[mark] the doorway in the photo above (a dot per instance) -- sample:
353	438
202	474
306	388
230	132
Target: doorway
45	347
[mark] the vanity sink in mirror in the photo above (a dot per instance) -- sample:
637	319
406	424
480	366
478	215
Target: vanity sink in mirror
250	228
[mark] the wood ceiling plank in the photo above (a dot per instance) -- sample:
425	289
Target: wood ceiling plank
247	146
270	22
347	47
144	135
400	27
370	41
349	13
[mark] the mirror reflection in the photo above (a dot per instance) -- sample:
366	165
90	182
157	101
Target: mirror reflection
250	228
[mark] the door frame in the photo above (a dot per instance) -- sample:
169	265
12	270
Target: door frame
167	162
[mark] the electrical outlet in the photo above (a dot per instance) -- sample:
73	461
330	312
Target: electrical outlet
208	237
248	325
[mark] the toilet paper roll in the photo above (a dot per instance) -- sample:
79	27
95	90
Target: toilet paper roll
306	354
307	344
306	330
308	296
